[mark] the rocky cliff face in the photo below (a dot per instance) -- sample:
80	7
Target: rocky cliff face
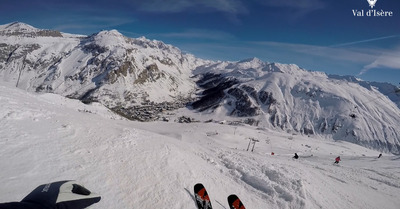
141	78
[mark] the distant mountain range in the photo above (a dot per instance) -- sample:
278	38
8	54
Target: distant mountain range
143	79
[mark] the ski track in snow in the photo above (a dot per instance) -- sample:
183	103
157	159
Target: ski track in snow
45	138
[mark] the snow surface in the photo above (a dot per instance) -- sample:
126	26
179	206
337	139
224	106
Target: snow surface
46	137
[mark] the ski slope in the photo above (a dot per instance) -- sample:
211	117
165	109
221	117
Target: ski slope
46	137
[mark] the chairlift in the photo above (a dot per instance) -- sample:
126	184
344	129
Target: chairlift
352	114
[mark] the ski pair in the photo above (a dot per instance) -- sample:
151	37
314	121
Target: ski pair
203	201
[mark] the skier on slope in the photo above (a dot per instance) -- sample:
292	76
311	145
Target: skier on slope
56	195
295	156
337	160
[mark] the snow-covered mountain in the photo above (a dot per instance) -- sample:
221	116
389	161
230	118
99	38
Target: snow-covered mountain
299	101
141	79
106	67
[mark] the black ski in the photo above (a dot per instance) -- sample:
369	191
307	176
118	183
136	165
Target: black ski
234	202
201	196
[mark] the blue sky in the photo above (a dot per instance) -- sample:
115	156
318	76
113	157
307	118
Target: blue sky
320	35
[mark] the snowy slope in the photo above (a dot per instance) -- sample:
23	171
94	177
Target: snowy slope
46	137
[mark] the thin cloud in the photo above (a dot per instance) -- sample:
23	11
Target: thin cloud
93	23
200	34
353	55
382	58
365	41
174	6
297	4
386	60
292	10
297	8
